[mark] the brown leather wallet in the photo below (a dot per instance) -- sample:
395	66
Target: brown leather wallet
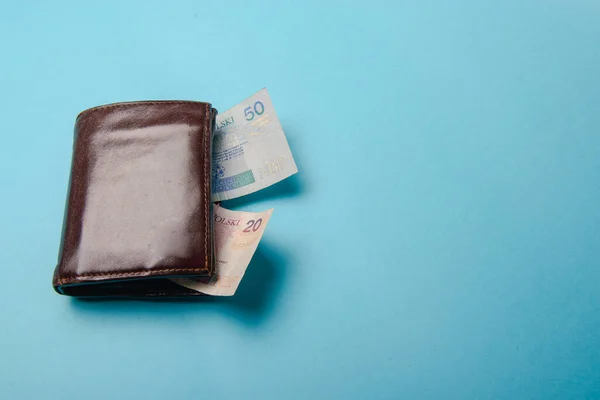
138	209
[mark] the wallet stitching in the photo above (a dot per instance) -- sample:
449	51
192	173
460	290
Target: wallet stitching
133	103
73	278
152	272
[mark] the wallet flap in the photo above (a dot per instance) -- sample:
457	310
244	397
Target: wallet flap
139	199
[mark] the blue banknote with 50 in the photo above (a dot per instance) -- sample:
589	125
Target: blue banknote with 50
250	151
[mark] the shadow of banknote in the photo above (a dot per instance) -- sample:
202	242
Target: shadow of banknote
258	293
294	186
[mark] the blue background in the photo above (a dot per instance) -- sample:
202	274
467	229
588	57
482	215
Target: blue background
441	239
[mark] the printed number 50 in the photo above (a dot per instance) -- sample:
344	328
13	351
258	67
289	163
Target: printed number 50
249	114
253	225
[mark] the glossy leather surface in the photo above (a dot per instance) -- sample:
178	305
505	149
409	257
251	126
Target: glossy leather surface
139	200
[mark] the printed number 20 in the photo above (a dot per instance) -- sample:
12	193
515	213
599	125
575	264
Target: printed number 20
249	114
253	225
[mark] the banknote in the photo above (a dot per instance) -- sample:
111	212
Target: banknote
250	151
236	235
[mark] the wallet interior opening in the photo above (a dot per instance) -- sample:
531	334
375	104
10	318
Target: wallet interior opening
128	288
